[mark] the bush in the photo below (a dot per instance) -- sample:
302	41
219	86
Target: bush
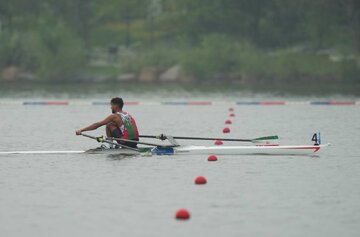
218	55
53	53
228	58
160	57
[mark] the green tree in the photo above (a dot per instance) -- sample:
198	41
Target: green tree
124	11
352	11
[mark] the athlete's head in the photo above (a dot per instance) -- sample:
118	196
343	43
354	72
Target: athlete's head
116	104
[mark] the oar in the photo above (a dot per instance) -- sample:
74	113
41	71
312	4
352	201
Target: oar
142	143
255	140
102	140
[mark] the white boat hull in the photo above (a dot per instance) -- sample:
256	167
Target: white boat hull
222	150
251	150
196	150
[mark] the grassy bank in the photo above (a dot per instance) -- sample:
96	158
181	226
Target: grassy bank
219	58
185	90
216	57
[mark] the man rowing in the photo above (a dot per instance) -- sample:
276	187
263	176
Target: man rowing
119	124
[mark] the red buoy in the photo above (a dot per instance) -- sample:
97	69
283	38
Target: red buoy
232	115
200	180
228	121
218	142
182	214
212	158
226	130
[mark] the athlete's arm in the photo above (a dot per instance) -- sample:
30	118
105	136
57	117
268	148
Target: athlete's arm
96	125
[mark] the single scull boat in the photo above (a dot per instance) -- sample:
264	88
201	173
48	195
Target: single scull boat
262	146
217	150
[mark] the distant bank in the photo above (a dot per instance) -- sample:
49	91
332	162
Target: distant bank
189	89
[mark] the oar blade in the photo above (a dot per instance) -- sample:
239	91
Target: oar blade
268	140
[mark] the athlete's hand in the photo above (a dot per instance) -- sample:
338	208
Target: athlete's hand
78	132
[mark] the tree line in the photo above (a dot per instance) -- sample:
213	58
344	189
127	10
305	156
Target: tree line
236	39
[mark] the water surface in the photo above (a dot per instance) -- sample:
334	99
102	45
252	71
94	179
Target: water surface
98	195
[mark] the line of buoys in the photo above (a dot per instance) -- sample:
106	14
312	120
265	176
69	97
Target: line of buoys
184	214
183	103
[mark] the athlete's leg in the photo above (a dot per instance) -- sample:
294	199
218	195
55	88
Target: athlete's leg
110	127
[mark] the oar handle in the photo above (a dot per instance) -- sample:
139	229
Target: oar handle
142	143
102	140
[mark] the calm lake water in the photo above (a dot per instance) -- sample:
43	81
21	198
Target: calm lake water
98	195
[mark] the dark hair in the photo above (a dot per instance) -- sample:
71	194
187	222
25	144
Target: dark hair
117	101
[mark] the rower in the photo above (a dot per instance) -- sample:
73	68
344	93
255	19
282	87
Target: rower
119	124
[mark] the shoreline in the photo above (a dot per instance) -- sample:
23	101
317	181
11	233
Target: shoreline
274	88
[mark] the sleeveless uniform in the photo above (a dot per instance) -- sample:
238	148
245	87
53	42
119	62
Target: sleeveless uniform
128	130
